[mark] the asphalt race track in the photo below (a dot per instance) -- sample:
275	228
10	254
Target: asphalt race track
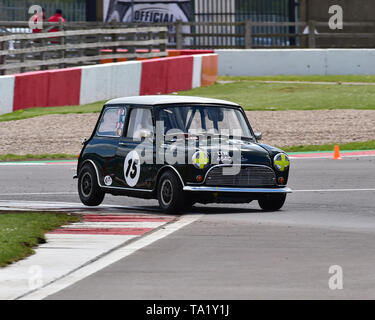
236	251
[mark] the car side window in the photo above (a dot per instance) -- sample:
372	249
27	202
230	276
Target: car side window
140	121
112	122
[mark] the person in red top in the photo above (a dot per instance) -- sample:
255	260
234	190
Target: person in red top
56	18
39	17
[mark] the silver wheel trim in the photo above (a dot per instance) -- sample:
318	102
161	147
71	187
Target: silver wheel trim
81	184
164	183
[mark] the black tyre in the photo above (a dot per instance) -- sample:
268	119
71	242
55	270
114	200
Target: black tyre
272	202
88	189
170	193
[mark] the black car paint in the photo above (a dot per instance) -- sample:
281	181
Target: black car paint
108	156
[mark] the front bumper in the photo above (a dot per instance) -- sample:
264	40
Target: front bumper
247	190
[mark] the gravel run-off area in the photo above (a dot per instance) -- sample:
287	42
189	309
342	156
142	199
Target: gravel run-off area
64	133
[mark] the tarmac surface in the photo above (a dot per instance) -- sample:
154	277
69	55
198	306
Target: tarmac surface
235	251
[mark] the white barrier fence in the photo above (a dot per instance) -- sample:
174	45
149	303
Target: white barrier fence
108	81
6	94
268	62
87	84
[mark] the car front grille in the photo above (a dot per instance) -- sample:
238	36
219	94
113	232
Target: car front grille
249	176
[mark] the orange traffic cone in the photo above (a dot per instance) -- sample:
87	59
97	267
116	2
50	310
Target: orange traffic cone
336	154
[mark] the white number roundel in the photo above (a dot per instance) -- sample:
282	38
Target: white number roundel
132	168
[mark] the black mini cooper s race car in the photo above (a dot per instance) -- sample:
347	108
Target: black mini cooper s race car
180	150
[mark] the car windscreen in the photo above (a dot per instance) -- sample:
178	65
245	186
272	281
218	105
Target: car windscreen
204	119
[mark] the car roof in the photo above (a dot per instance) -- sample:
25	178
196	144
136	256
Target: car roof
164	99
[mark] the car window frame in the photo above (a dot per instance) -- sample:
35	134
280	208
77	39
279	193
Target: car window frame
239	108
127	120
107	107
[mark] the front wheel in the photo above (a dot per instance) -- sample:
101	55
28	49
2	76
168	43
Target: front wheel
88	189
272	202
170	193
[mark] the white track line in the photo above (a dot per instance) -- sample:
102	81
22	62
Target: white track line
74	193
108	259
5	164
21	205
21	164
37	193
335	190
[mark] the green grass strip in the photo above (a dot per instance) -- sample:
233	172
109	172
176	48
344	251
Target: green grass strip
257	95
353	146
21	232
298	96
14	157
311	78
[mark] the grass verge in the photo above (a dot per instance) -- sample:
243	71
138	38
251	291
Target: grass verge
21	232
299	96
15	157
366	145
36	112
312	78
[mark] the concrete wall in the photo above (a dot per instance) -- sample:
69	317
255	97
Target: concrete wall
255	62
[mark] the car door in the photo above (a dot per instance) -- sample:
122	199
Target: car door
108	134
135	153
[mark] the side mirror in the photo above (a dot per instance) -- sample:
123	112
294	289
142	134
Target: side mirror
258	135
145	133
84	140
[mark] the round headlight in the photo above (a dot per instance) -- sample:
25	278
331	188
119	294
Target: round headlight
281	161
200	159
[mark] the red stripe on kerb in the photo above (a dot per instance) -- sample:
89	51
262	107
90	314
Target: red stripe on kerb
123	220
104	231
359	153
105	218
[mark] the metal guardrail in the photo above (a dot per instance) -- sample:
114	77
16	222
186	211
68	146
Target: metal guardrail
75	47
82	42
240	35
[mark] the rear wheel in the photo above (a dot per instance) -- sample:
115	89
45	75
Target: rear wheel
272	202
88	189
170	193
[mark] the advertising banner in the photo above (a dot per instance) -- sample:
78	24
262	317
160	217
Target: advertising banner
149	11
146	11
